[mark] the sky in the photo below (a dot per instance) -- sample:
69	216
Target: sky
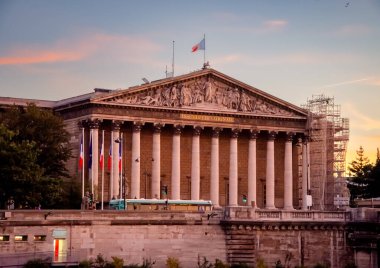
292	49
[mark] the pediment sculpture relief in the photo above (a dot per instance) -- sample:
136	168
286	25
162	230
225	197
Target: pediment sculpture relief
203	94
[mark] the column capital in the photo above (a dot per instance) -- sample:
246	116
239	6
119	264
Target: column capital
216	131
81	124
116	124
272	135
235	133
253	134
93	123
197	130
177	129
137	126
289	136
157	127
305	139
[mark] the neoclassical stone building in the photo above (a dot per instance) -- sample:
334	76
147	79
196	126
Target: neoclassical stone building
204	135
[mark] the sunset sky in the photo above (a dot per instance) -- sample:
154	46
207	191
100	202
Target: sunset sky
291	49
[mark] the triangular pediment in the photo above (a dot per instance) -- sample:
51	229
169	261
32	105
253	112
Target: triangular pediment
206	90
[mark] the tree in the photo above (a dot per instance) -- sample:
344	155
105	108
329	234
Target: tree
34	147
359	170
374	181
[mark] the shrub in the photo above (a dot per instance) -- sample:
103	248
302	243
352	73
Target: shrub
37	263
117	262
172	263
261	264
220	264
204	264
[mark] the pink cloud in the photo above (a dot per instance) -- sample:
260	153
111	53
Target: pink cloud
31	57
118	47
353	30
275	24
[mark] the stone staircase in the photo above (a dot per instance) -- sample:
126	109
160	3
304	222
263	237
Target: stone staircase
240	246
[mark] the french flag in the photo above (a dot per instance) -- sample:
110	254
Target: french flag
101	159
80	164
120	157
90	153
110	158
200	46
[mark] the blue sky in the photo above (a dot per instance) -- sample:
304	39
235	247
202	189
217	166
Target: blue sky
291	49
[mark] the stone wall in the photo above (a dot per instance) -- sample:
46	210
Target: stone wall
157	235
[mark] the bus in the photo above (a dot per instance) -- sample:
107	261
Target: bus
160	204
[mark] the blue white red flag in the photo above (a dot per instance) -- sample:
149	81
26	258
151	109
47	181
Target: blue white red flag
110	158
80	164
90	153
200	46
120	156
101	158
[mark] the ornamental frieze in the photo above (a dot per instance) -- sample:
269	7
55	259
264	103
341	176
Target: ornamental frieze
203	94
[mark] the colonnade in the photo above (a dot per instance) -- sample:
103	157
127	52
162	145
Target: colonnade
115	150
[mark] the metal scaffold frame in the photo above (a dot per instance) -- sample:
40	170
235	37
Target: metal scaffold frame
329	134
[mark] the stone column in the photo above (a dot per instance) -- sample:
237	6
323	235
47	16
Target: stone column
156	158
115	158
214	172
304	172
252	171
288	172
269	193
94	132
233	180
195	165
176	163
135	165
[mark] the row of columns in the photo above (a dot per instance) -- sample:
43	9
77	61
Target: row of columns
195	165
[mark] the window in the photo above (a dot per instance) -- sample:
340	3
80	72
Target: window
4	238
40	238
20	238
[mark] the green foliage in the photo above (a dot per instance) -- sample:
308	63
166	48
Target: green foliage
117	262
319	265
34	148
37	263
365	177
261	264
85	264
220	264
204	263
172	262
350	265
148	263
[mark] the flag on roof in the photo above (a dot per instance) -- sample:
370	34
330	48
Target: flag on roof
200	46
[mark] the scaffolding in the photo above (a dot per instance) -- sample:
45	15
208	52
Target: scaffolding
329	134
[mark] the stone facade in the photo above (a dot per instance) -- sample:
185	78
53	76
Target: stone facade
295	238
205	101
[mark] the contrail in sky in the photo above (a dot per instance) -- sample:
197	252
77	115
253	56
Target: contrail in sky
347	82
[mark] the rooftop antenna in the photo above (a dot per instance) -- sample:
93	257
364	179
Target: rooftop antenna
173	60
170	74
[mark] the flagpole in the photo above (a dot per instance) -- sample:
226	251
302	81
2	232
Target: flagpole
204	51
111	167
83	163
102	169
173	60
92	174
121	164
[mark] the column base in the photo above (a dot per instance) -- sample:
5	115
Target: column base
288	208
270	207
